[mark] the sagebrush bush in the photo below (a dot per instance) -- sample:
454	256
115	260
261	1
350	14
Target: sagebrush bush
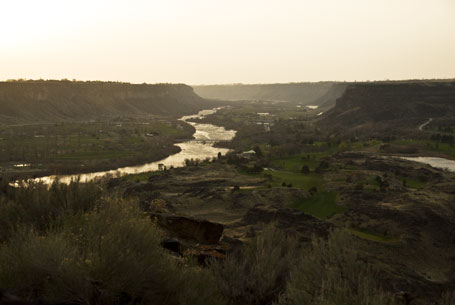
110	255
39	207
448	298
258	272
332	273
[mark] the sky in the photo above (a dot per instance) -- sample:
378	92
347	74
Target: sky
227	41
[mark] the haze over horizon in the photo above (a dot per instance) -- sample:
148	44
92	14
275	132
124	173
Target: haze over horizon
217	42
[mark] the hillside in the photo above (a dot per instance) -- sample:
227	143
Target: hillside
54	101
380	106
303	93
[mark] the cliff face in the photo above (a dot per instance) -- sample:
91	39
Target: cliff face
390	104
304	93
49	101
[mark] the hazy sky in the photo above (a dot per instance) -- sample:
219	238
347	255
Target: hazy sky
227	41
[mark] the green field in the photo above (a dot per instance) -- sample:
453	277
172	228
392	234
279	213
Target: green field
94	155
296	179
373	236
295	163
290	114
413	183
139	177
322	205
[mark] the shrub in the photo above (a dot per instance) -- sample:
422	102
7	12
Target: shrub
448	298
305	170
257	273
38	207
332	273
108	256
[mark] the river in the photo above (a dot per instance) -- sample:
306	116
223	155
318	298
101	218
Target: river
441	163
200	148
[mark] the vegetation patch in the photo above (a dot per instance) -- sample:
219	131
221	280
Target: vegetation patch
435	146
279	178
139	177
321	205
94	155
412	183
373	236
296	162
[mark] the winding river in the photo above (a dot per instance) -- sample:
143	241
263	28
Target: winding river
200	148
